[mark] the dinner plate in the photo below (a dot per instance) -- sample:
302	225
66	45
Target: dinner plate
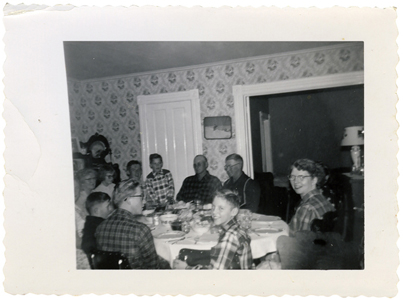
267	230
262	218
208	238
148	212
261	224
171	235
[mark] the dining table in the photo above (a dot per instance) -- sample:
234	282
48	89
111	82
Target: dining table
264	233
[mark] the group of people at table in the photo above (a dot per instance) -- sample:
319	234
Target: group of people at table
110	217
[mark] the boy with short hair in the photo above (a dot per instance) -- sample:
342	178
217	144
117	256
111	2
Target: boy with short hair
99	206
159	183
233	248
134	171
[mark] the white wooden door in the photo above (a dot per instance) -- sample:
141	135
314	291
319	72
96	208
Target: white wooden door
265	139
170	126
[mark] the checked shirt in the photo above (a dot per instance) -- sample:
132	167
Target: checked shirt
233	248
160	186
195	189
313	206
120	232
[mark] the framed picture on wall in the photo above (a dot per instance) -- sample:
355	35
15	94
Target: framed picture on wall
217	128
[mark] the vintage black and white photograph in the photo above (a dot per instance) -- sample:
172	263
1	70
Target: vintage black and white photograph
213	151
286	191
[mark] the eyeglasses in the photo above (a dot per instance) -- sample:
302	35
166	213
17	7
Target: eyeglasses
92	178
226	167
299	177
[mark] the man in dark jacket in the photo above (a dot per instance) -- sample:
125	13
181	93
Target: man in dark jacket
247	189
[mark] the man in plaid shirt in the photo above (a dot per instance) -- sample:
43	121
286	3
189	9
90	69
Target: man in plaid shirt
121	232
201	186
159	183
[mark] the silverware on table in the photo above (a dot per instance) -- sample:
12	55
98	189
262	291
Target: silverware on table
181	239
254	231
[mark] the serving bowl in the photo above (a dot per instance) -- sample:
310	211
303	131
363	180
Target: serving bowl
168	219
176	225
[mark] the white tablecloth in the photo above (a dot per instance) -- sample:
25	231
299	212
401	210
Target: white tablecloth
261	243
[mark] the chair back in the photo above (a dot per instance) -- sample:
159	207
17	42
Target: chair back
106	260
195	257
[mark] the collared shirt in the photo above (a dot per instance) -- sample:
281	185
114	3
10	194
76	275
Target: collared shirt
160	186
195	189
120	232
250	197
313	206
233	248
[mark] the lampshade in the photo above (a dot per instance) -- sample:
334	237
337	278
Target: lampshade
353	136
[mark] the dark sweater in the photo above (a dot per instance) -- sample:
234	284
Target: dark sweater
89	243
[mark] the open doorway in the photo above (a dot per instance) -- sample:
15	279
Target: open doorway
305	124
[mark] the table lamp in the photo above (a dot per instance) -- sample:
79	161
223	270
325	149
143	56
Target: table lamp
354	136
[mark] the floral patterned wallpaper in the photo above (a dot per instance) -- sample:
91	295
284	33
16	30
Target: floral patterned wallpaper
109	106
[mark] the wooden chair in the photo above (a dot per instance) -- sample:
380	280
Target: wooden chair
105	260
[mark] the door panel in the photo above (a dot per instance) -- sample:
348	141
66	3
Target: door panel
172	128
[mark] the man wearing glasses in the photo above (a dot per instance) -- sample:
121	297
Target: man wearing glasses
121	231
247	189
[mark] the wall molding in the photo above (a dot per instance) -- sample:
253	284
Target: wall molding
242	94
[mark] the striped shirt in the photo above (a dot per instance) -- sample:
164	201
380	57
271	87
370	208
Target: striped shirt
233	249
160	186
122	233
313	206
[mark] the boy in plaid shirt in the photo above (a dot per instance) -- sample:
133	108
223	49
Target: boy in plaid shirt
233	248
159	183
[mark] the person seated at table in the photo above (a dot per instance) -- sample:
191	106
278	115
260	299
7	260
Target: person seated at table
201	186
247	189
99	206
84	183
233	248
159	183
306	178
106	175
121	232
134	171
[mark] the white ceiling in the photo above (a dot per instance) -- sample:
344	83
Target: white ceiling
90	60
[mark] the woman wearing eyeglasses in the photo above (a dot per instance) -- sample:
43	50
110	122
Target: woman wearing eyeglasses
306	178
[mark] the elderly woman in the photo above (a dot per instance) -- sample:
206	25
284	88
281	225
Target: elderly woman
84	183
307	177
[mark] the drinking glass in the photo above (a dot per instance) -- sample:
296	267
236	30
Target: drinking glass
185	226
245	219
199	204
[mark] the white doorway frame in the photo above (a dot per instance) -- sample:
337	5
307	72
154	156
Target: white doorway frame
242	93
